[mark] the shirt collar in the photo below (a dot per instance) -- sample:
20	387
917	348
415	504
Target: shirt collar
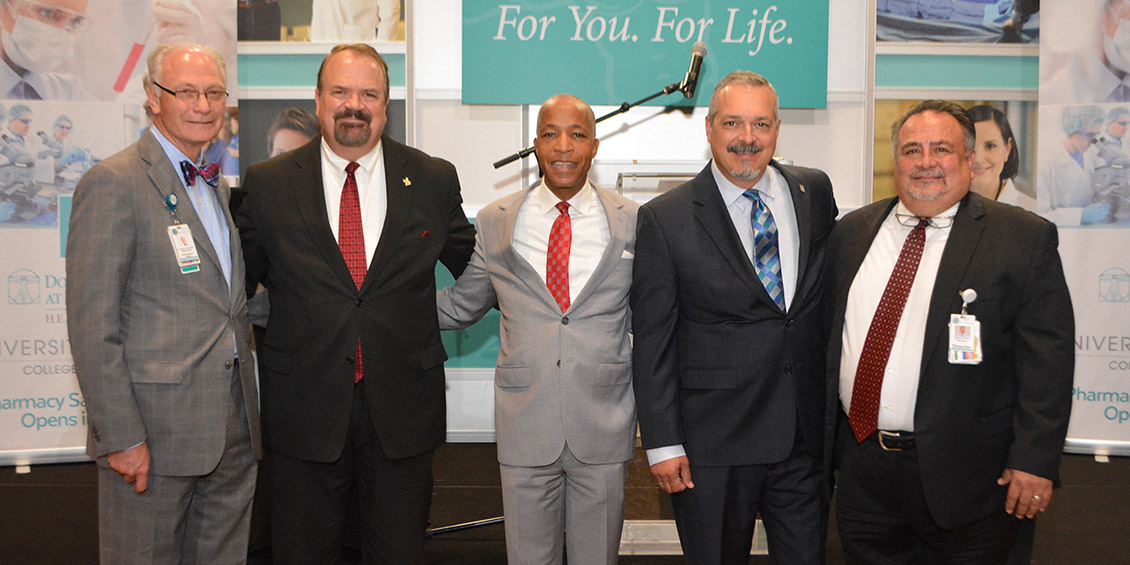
769	185
8	79
583	201
368	161
175	155
901	209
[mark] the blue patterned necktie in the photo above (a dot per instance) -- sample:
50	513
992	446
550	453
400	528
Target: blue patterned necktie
766	259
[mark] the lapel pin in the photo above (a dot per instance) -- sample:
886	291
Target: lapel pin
802	188
407	181
425	234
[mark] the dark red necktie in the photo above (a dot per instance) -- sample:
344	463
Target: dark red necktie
557	258
863	414
351	240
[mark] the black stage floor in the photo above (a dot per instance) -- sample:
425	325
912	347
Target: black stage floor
50	515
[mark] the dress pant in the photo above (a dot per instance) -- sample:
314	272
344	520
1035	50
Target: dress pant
196	519
716	518
882	515
567	503
309	500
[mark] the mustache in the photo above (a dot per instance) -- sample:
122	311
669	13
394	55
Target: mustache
745	148
359	114
935	172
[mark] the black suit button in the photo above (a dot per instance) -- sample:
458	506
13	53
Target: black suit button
565	320
788	323
788	370
558	362
350	360
360	302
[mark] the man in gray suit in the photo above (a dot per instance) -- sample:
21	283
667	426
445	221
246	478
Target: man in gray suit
157	318
557	259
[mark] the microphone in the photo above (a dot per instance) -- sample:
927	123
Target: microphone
690	81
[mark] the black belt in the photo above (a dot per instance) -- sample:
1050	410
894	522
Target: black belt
895	441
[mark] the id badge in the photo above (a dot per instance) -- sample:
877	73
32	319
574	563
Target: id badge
965	340
184	248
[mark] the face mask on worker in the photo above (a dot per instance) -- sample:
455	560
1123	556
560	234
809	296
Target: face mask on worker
34	45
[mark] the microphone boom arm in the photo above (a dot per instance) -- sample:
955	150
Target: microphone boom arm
624	107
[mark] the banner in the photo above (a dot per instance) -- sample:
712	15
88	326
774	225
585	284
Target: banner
525	51
70	96
1083	185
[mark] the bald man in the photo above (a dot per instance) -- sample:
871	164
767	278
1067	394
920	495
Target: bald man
557	259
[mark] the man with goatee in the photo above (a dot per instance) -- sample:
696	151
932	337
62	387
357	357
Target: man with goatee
345	233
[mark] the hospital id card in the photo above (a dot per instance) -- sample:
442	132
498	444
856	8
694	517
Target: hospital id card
184	248
965	340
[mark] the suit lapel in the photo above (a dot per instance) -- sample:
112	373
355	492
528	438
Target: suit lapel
850	257
711	214
960	246
517	265
802	206
163	174
618	239
310	196
399	208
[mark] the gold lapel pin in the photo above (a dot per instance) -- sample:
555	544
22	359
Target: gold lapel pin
802	188
407	181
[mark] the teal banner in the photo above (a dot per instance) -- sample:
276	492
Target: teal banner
524	51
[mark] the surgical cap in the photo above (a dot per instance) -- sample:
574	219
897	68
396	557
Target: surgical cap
1078	118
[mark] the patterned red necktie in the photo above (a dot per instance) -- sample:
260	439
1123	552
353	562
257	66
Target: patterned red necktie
863	414
557	259
351	240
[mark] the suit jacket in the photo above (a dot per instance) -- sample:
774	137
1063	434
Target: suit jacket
317	312
559	378
1011	410
152	347
718	366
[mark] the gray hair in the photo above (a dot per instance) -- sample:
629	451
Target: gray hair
942	107
746	78
161	52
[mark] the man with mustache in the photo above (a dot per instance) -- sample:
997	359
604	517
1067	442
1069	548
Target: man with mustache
950	360
728	353
345	233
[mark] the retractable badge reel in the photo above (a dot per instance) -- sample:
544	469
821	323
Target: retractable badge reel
965	333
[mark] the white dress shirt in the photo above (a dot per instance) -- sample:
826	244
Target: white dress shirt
774	192
589	228
900	379
370	175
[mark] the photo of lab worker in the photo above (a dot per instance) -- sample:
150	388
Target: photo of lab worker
36	37
126	31
996	158
1064	189
292	128
1087	59
324	21
958	21
1117	122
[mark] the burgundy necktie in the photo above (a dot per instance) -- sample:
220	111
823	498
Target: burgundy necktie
557	258
863	414
351	240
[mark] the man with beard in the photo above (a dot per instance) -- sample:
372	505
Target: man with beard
950	361
728	359
345	233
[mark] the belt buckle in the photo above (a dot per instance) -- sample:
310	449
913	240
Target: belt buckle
892	435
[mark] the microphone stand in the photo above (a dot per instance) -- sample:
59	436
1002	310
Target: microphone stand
624	107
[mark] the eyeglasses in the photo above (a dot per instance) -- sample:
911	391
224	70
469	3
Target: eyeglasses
911	221
25	121
190	96
1122	123
61	126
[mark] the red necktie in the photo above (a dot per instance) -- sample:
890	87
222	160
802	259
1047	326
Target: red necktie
351	240
557	259
863	414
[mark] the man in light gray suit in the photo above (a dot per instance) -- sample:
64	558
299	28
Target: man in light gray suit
157	318
557	259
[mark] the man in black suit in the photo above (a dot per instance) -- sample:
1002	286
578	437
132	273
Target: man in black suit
950	361
728	355
345	233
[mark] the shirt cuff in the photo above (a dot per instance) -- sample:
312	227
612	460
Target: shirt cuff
661	454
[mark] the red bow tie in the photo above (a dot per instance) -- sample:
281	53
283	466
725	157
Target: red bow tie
210	173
